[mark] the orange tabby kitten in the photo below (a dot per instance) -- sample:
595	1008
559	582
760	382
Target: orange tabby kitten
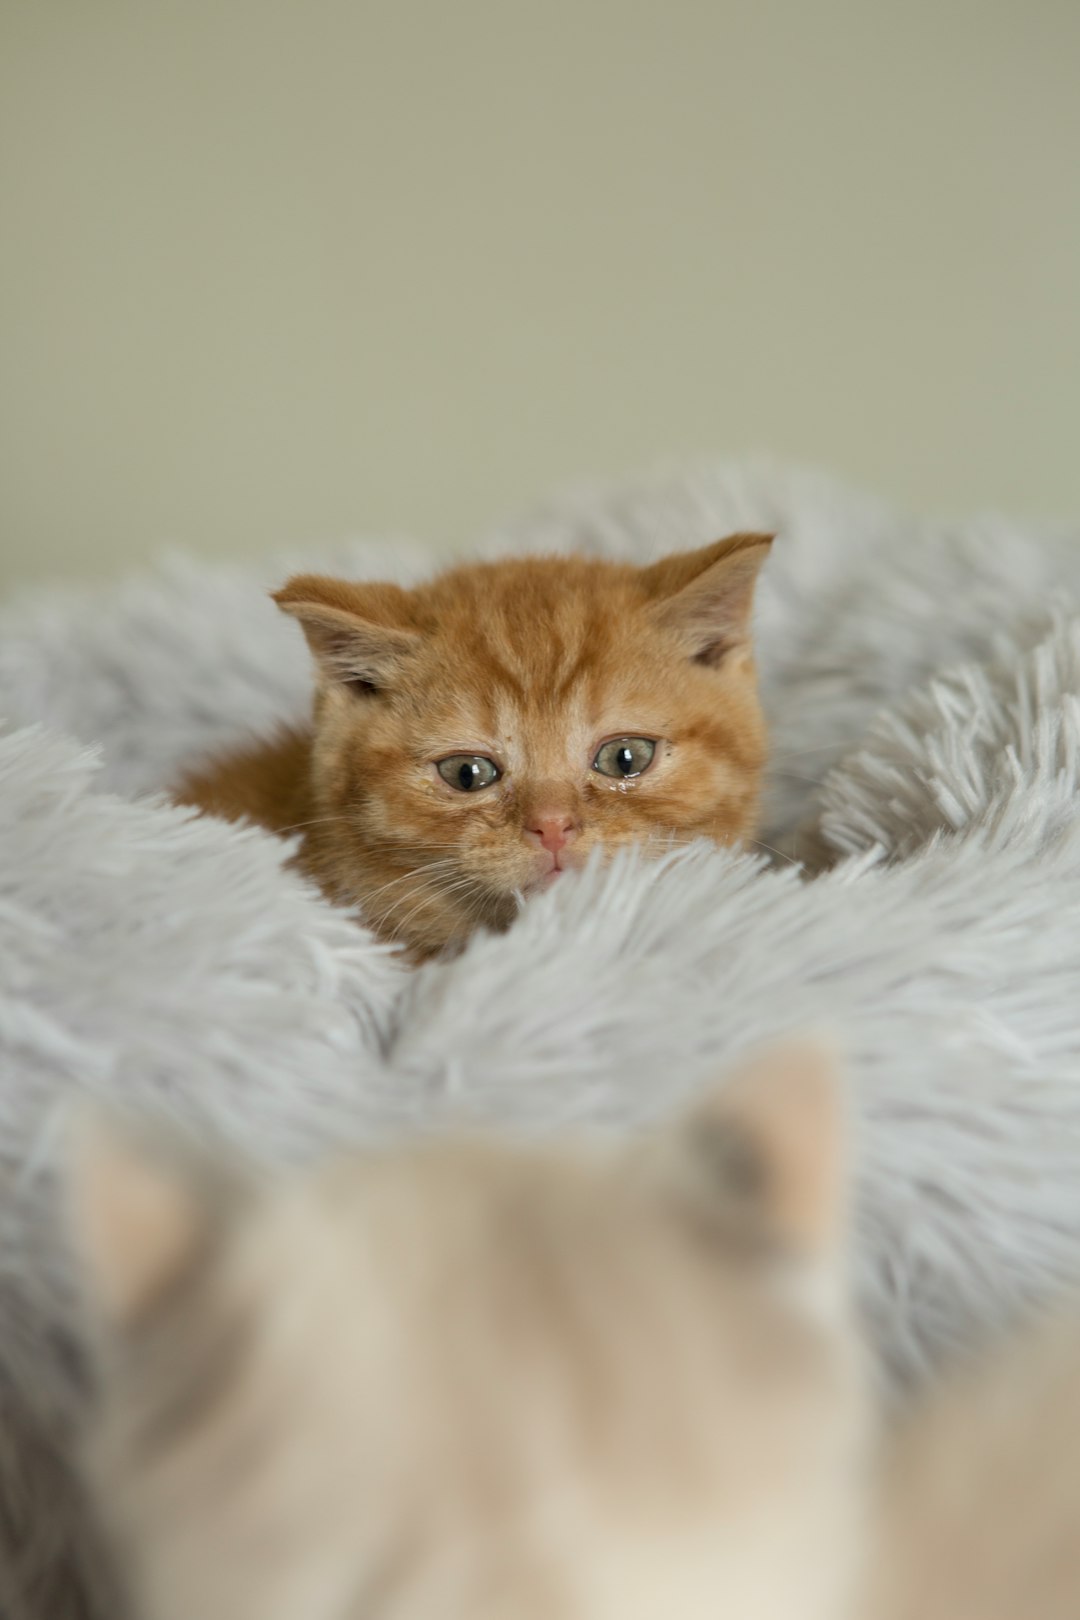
479	734
470	1382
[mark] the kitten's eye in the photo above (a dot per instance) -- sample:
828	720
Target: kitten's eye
468	772
625	756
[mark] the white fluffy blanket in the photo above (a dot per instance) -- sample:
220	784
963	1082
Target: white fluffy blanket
923	686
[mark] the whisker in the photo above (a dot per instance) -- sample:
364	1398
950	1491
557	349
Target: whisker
428	871
396	844
403	924
406	848
425	882
318	821
774	851
437	889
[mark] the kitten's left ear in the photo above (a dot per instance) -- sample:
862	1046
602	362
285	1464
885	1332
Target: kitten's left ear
139	1216
705	596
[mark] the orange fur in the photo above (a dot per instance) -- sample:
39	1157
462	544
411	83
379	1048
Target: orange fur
531	663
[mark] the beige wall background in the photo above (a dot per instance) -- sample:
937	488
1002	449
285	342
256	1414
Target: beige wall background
276	270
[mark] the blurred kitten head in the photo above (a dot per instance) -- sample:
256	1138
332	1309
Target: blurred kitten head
477	1382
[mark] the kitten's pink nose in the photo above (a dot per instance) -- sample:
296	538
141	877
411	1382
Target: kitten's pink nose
552	832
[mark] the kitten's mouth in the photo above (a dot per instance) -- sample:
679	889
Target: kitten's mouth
561	863
542	881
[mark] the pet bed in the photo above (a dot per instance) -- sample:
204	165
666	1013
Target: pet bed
923	688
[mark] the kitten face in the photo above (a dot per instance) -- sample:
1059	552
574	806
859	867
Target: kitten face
473	1383
479	734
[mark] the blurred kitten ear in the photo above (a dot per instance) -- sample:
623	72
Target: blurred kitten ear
138	1214
762	1159
358	633
705	596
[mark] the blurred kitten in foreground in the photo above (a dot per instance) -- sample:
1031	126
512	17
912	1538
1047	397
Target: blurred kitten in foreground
979	1516
477	1382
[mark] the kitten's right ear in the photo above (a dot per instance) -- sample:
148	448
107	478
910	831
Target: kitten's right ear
762	1159
705	597
139	1216
359	634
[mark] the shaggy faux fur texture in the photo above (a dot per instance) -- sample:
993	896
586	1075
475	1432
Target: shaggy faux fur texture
173	963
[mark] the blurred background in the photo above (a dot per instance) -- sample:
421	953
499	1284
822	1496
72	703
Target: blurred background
278	270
